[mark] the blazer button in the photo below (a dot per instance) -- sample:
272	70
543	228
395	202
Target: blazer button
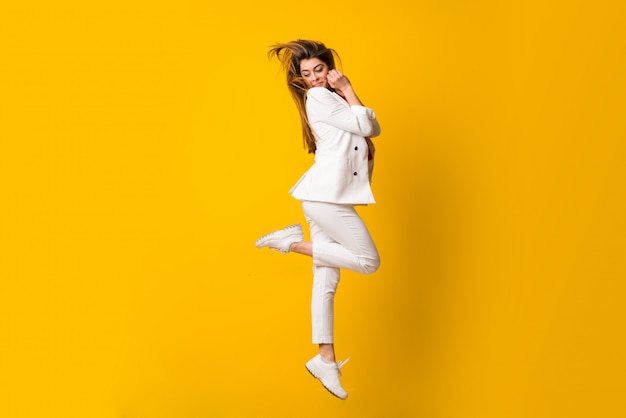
356	148
354	173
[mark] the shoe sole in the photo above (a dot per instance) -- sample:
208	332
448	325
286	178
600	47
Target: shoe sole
325	387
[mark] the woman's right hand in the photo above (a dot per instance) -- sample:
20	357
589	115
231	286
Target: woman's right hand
338	81
342	86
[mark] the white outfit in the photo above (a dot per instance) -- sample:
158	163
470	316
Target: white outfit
340	173
338	180
340	240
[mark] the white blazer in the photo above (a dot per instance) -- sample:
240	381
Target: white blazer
341	173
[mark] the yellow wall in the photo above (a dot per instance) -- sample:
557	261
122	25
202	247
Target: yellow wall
146	145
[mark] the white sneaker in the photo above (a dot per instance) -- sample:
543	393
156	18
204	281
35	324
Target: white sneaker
281	240
328	373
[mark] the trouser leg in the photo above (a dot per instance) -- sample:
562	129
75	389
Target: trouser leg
349	244
340	240
325	281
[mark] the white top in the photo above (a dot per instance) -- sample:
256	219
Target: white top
341	173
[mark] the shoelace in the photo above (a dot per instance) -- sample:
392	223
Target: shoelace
340	364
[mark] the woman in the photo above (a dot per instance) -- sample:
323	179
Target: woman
337	128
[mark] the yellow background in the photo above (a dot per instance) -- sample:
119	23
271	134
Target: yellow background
146	145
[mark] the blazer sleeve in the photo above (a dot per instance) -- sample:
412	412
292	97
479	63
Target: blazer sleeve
323	106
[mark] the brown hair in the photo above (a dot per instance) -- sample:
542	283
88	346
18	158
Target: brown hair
290	55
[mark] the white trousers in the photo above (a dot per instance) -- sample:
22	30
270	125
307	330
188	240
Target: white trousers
340	240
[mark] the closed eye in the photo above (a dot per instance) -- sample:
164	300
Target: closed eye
319	68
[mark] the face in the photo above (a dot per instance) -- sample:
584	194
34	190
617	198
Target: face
314	72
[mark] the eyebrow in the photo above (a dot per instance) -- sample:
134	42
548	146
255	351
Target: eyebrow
306	69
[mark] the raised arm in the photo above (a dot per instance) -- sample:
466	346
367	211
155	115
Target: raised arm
328	107
324	106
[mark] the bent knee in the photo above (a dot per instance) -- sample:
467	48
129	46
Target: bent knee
370	265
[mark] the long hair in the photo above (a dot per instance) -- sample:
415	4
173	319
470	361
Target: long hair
290	55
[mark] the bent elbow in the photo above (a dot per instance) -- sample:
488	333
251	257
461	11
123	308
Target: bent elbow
374	129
